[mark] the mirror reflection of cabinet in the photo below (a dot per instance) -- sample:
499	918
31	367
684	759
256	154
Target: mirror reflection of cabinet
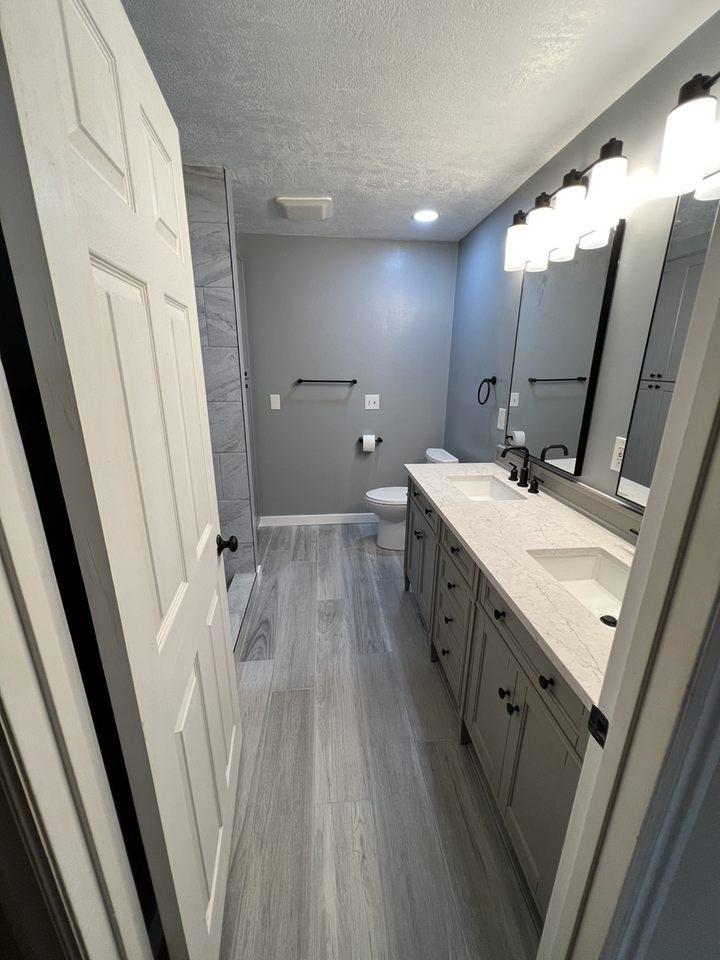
684	261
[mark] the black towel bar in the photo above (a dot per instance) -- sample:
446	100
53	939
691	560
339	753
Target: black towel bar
302	380
557	379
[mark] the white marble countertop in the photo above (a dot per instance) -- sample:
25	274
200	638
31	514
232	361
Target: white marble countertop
498	535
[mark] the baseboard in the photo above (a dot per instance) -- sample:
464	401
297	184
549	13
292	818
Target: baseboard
304	519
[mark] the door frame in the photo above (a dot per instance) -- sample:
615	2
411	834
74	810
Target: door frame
666	617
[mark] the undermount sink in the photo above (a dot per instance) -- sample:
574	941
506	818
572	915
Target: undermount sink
484	488
591	575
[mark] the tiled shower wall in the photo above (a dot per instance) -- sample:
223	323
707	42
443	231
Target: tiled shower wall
211	256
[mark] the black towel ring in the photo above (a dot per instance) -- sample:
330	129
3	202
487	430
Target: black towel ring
485	383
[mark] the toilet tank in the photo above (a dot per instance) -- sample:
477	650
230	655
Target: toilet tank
438	455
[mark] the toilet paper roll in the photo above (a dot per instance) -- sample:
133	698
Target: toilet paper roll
368	442
518	438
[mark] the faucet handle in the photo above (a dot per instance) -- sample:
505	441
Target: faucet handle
513	473
533	488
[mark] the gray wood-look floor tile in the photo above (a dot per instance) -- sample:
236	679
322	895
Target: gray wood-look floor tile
331	583
339	757
296	634
496	926
369	633
431	713
259	630
305	543
348	910
274	915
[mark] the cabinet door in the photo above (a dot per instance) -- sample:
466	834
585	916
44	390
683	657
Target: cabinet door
673	309
427	574
539	780
492	678
639	459
415	548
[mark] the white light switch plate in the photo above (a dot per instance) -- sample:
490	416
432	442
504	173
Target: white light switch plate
514	399
502	417
618	454
372	401
274	401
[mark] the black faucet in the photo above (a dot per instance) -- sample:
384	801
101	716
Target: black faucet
553	446
523	481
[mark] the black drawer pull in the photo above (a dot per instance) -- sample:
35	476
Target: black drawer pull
546	682
503	693
512	708
444	652
454	549
451	586
418	534
448	619
416	493
428	511
499	614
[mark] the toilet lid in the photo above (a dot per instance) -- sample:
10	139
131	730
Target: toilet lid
388	495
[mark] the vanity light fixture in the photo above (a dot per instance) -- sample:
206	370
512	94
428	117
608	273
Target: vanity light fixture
687	140
425	216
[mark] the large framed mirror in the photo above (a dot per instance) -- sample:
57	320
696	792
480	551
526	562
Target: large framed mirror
684	261
560	333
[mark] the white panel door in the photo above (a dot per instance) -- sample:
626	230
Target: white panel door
103	160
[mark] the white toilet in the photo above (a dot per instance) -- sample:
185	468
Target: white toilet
390	503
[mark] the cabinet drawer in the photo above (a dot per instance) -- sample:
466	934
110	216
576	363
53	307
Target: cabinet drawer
425	507
459	555
449	642
453	585
553	689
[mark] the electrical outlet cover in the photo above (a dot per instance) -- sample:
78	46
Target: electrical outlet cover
502	418
372	401
514	399
274	401
618	454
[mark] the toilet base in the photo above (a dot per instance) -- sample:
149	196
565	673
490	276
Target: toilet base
391	534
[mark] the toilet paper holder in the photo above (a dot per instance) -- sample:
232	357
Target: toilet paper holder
377	439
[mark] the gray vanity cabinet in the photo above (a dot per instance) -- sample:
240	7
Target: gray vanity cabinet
539	780
421	553
492	681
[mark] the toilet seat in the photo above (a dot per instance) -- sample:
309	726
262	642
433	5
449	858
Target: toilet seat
392	496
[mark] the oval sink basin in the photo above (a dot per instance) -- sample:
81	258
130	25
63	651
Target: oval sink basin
484	488
591	575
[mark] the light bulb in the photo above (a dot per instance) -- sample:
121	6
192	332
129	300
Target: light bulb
425	216
709	186
516	243
687	132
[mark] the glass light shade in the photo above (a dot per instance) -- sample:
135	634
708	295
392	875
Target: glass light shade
606	191
538	262
709	186
563	252
595	238
688	130
569	204
543	225
516	246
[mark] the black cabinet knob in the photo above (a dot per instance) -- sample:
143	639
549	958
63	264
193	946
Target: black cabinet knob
230	544
418	534
546	682
444	652
428	511
416	493
448	619
512	708
503	693
454	549
498	614
451	586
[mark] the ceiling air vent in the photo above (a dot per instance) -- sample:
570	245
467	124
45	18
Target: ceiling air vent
305	208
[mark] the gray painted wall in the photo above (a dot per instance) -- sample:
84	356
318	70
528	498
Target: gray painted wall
377	310
487	298
208	222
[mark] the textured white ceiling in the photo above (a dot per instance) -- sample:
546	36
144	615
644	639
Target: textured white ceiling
391	105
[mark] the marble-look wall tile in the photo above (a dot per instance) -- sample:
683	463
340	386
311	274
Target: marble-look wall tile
210	247
218	476
205	194
242	561
222	373
233	470
220	317
227	430
202	321
235	519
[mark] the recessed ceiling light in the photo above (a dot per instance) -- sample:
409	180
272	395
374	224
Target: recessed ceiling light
425	216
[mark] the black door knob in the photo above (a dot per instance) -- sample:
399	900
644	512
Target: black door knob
444	652
512	708
503	693
230	544
546	682
448	619
498	614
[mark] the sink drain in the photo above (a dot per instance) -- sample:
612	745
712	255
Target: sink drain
609	620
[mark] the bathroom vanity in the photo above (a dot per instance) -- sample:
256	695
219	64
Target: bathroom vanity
512	587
